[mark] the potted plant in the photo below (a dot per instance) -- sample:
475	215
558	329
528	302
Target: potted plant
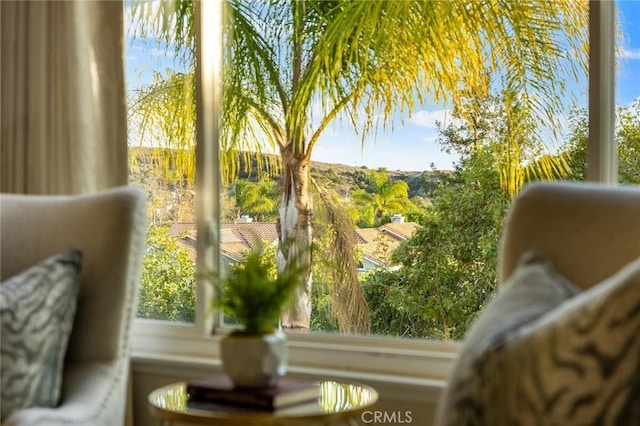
255	355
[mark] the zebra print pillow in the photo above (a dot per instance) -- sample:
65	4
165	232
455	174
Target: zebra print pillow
534	289
576	365
37	308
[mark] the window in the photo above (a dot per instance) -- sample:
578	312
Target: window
162	144
388	207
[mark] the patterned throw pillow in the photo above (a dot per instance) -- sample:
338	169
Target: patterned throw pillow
534	289
576	365
37	308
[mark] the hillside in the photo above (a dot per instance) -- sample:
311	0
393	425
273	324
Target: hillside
343	178
174	199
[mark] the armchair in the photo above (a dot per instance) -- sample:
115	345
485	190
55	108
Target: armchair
587	230
109	228
560	343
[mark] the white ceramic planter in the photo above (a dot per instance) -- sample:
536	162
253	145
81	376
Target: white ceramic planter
254	361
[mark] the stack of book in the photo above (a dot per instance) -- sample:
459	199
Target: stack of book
218	392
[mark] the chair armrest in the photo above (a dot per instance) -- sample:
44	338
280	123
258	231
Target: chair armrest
92	394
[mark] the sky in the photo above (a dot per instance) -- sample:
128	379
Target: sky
412	144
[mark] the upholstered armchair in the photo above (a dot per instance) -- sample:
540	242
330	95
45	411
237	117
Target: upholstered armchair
588	231
560	343
109	228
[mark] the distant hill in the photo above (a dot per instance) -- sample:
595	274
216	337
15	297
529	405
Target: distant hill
343	178
338	177
174	196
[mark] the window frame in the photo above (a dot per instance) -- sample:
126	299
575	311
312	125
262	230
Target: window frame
394	359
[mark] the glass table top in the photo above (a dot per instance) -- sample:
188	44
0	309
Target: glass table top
338	400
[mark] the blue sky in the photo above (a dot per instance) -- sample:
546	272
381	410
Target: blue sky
628	75
412	144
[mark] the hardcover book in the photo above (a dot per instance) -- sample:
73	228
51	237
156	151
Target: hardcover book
219	390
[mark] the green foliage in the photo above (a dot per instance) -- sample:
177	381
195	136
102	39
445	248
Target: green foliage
394	312
336	269
627	138
417	212
254	294
449	266
259	200
324	316
167	288
520	154
162	145
381	198
576	144
162	114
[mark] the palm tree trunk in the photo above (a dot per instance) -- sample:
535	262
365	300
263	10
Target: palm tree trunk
295	231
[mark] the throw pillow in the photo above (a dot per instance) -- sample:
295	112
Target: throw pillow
576	365
37	308
534	289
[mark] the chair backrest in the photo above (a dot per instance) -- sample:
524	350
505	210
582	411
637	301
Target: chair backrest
110	228
587	230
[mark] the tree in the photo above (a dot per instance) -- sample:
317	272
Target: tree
256	198
167	287
293	67
162	156
162	124
381	199
448	267
627	138
629	144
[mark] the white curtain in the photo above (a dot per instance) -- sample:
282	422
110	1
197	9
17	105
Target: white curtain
63	116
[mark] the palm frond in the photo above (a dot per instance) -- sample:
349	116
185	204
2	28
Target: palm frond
348	301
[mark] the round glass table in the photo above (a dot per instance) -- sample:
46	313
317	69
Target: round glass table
339	403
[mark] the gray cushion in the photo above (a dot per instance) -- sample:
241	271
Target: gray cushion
37	309
577	364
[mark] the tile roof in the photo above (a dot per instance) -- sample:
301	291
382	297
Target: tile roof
251	234
237	238
402	231
378	243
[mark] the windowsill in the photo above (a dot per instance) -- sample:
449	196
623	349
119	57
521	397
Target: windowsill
402	369
389	386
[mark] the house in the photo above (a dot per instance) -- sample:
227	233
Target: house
236	238
378	244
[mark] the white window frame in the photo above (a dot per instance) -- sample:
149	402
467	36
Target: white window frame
418	362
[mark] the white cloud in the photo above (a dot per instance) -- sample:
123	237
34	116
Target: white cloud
429	119
630	54
167	53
